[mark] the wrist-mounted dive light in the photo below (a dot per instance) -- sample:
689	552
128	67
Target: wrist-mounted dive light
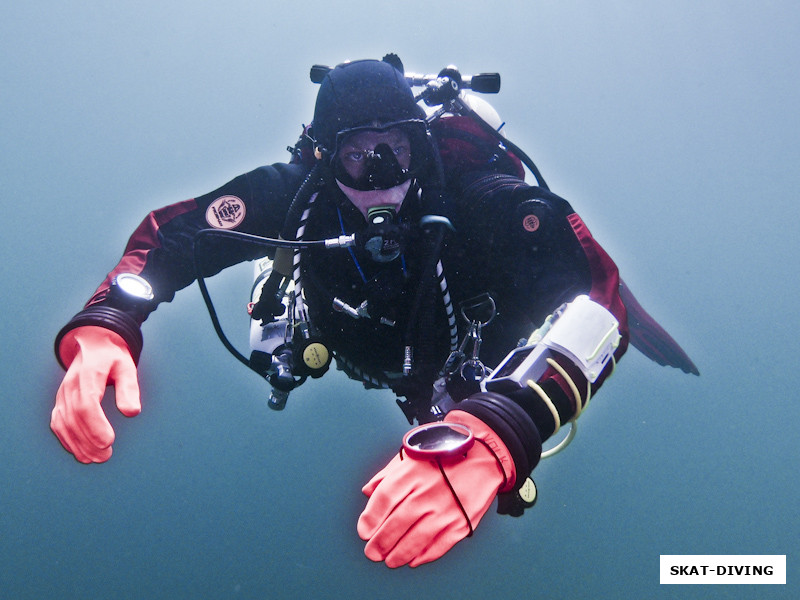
129	291
582	330
129	294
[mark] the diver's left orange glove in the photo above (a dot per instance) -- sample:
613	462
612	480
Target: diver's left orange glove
100	346
427	499
96	357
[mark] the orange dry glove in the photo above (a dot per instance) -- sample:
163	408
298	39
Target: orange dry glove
95	357
419	508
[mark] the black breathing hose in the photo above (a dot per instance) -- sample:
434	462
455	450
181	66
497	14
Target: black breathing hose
241	237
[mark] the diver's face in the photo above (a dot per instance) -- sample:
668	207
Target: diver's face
355	149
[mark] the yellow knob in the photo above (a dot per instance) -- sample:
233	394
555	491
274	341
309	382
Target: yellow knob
315	356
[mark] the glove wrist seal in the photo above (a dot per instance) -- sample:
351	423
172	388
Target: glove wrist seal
512	425
110	318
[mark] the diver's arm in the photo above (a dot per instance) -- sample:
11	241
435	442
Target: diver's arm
161	248
548	382
100	345
564	382
420	507
543	256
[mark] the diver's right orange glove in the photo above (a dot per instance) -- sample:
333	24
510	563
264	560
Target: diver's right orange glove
95	357
436	490
421	507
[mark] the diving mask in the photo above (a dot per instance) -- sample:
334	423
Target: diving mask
374	159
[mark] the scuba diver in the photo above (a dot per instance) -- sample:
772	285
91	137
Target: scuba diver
403	243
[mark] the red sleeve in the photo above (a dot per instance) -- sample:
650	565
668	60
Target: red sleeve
161	249
605	277
144	239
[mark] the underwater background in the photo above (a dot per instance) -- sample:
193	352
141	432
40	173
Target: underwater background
671	127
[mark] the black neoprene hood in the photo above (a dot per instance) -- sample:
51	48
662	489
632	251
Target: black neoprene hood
364	93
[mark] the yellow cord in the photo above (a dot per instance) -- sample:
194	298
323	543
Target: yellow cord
578	404
549	403
572	386
573	429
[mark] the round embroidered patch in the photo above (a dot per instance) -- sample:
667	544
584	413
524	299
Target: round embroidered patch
530	223
226	212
